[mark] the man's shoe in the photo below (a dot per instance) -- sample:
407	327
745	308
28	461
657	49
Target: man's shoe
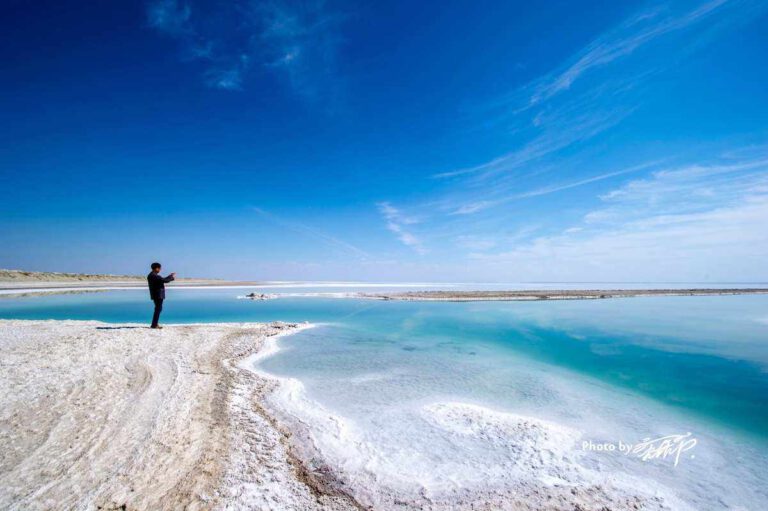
157	327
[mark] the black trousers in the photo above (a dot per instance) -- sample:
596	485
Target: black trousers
158	310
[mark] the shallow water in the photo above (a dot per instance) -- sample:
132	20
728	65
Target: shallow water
395	377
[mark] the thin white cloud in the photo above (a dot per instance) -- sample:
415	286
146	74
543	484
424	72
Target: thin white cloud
228	78
565	131
314	233
556	117
715	181
722	244
697	222
638	31
644	228
169	16
395	222
474	207
294	40
475	243
301	42
556	188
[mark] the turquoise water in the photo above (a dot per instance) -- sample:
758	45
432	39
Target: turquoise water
620	369
706	355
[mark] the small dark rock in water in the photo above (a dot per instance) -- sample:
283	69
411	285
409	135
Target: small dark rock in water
259	296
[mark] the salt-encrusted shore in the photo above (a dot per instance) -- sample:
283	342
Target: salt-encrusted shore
120	417
99	416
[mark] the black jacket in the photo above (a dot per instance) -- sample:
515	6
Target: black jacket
157	285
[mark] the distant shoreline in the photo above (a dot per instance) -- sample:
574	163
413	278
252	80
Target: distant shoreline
107	285
16	279
552	294
51	288
20	283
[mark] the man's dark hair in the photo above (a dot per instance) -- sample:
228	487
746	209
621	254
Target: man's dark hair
155	266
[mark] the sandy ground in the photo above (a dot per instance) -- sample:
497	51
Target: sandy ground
97	416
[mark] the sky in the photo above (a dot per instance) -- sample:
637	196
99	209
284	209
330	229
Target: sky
450	141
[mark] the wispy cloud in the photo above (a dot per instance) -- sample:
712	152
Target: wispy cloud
301	41
475	207
169	16
582	118
475	243
637	31
323	237
676	193
686	223
396	222
295	40
550	115
560	127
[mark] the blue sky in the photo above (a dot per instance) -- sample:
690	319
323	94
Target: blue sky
396	141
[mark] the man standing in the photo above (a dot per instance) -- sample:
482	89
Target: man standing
157	290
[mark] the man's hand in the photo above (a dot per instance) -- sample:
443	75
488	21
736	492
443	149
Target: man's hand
173	275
